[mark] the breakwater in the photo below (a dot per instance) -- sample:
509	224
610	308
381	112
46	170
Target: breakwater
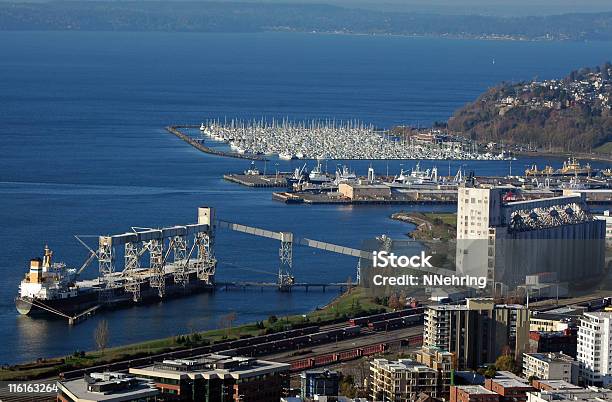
200	145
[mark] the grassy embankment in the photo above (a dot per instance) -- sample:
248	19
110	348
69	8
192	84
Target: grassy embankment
430	225
350	304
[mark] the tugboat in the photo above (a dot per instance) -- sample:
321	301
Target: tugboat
533	171
572	167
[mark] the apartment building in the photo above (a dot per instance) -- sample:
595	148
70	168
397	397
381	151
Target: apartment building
594	350
477	332
443	362
401	380
550	366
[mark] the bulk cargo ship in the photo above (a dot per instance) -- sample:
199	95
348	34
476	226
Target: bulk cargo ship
180	258
51	288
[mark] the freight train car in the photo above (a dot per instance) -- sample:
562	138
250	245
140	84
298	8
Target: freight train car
396	323
364	321
331	358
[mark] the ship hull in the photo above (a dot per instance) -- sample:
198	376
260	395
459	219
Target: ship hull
115	299
69	306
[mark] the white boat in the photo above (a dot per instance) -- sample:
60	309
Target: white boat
317	176
416	178
345	175
331	140
252	171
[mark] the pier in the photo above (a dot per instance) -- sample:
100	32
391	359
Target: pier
340	286
258	180
336	198
181	262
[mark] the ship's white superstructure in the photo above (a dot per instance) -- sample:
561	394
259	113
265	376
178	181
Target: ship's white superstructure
47	280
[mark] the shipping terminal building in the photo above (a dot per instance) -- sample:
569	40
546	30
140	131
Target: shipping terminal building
507	239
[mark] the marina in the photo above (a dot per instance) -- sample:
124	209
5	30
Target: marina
331	139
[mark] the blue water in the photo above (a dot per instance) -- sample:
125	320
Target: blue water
83	151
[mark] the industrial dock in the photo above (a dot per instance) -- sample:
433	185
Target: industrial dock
415	187
181	262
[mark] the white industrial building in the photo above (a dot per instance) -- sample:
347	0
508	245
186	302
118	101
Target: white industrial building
508	240
594	351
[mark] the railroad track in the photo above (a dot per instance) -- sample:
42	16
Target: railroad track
338	338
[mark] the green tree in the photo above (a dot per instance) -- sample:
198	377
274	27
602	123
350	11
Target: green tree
505	363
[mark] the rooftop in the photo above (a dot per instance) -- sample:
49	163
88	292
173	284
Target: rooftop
556	384
551	357
507	382
108	387
212	366
599	314
510	376
591	394
475	390
401	365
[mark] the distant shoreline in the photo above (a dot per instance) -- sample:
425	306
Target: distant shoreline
493	38
564	155
248	17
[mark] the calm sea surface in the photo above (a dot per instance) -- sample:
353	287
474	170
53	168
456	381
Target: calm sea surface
83	151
